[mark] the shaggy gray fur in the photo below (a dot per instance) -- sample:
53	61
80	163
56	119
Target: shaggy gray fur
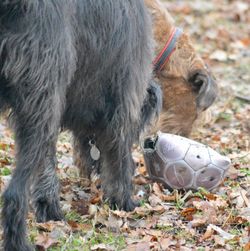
82	65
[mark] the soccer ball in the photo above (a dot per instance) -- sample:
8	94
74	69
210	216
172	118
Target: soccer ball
179	162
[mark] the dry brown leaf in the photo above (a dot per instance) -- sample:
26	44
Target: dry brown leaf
210	196
114	223
209	211
198	222
244	197
166	243
80	206
97	198
245	41
164	197
247	247
245	213
157	189
141	246
219	240
208	234
154	200
222	233
43	241
122	214
48	226
6	146
188	212
237	220
102	247
4	161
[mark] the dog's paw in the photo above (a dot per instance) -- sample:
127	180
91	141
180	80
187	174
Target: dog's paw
46	212
130	205
23	247
127	205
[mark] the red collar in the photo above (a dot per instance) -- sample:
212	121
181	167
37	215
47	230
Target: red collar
168	49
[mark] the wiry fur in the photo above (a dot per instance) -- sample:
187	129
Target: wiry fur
81	65
188	86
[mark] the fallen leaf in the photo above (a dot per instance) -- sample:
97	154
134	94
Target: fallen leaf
165	243
142	246
187	212
114	223
164	197
198	222
74	225
247	247
47	226
102	247
219	240
80	206
97	198
208	234
154	200
43	241
208	209
222	233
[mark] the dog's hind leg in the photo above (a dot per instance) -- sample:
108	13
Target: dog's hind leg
45	191
35	128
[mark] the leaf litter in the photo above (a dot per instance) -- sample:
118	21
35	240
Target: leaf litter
177	220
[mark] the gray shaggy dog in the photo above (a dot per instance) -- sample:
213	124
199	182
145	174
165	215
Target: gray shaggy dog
81	65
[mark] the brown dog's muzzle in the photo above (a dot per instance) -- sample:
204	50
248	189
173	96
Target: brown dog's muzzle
205	85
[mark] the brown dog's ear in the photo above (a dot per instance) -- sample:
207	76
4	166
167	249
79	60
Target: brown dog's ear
203	83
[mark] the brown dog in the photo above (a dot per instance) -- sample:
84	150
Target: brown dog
187	86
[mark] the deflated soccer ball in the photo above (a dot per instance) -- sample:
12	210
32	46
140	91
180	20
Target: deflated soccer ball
179	162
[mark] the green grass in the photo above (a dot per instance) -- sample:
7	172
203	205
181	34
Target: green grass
78	242
245	171
74	216
165	228
200	249
5	171
225	116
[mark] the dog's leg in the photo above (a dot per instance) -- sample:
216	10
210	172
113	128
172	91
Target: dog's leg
35	129
45	192
116	173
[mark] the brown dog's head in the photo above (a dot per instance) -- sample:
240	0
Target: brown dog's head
187	85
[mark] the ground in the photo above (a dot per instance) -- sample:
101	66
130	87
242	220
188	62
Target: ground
217	220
